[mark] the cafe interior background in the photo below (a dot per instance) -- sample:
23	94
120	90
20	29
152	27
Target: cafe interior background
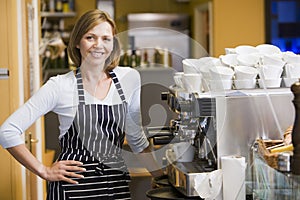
34	34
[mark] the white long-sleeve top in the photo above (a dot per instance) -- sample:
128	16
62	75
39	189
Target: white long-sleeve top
59	94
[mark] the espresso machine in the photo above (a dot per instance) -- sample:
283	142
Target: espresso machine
219	124
195	124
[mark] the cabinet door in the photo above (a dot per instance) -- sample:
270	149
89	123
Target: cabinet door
12	90
6	166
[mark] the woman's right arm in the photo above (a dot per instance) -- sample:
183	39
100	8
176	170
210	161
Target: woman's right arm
59	171
44	100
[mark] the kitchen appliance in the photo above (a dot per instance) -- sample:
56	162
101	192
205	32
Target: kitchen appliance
220	124
195	124
166	32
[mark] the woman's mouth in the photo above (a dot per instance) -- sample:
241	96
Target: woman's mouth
97	54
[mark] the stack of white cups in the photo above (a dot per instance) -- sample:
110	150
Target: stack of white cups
270	70
270	76
245	77
220	78
192	78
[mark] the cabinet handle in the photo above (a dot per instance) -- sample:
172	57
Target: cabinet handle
29	141
4	73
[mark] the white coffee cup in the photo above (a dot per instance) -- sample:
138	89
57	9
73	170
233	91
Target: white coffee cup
192	82
292	70
230	51
290	57
269	83
245	72
270	72
251	60
221	73
229	59
189	66
220	85
288	82
178	76
268	49
184	151
245	49
245	84
272	60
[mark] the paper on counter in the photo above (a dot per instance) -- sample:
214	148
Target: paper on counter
234	170
209	185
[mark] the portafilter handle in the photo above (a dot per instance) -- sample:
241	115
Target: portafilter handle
175	124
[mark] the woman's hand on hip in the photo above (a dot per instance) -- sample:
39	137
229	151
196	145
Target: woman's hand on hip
64	170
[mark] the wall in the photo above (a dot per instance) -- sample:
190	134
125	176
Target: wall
192	5
123	7
237	22
81	6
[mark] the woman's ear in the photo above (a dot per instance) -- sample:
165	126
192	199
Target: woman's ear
77	46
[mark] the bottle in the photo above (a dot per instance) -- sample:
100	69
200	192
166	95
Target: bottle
133	59
128	58
52	5
124	60
295	164
61	60
145	58
138	58
157	57
46	60
65	6
71	5
58	6
167	59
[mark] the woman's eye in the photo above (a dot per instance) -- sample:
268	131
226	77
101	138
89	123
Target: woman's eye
89	37
107	39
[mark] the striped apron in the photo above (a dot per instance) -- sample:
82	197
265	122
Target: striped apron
95	138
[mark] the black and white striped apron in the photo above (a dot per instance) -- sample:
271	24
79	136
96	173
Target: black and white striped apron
95	138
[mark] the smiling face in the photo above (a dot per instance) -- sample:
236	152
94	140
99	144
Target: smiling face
97	44
89	43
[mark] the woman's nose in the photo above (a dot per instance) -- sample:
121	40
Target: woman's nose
98	43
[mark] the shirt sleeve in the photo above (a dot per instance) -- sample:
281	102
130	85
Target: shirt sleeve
135	135
39	104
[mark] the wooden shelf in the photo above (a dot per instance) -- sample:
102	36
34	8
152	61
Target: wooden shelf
58	14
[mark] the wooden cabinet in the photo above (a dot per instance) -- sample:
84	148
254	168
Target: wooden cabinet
16	182
9	169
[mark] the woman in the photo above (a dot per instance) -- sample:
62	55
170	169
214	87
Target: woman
96	105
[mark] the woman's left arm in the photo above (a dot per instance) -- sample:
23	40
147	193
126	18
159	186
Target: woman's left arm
134	132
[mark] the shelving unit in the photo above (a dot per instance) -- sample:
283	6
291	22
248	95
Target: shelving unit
55	21
53	28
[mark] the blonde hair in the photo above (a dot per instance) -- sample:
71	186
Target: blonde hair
85	23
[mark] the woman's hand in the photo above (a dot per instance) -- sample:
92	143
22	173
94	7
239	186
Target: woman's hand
60	171
63	170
